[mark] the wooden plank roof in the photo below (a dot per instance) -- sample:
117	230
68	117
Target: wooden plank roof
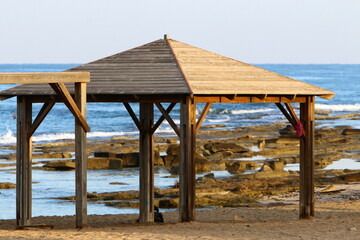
168	66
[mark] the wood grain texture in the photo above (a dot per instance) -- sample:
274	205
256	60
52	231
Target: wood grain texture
62	91
54	77
80	158
307	186
23	162
187	162
146	142
172	67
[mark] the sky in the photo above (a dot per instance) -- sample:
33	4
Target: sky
252	31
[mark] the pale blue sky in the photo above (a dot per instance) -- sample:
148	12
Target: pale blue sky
253	31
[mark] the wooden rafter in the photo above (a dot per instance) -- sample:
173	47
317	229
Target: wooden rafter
41	116
62	91
168	118
133	115
202	116
162	118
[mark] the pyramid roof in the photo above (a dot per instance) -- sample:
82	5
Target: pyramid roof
167	66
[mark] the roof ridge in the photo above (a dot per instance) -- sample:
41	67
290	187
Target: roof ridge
168	41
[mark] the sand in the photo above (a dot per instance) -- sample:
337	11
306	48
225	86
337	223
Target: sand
337	217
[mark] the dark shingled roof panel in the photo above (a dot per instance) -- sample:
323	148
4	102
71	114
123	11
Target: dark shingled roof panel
148	69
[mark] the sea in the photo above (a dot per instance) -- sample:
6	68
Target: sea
111	120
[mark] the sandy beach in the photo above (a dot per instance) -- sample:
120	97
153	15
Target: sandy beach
337	217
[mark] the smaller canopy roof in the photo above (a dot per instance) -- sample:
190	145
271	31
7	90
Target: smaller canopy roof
167	66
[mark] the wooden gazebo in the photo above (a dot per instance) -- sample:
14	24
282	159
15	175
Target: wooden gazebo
169	71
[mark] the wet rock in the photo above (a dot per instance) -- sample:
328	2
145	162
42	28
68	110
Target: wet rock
351	131
171	140
287	140
275	165
118	183
173	150
213	126
271	169
158	160
201	165
215	147
11	156
51	155
261	144
288	131
355	177
105	154
7	185
209	175
105	164
172	160
241	166
169	203
129	159
62	165
219	155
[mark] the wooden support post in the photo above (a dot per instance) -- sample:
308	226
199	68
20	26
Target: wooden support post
80	158
187	163
23	162
146	163
307	159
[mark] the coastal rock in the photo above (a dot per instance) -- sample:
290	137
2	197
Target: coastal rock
271	169
7	185
62	165
220	125
51	155
158	160
355	177
173	149
241	166
172	160
351	131
215	147
104	163
129	159
169	203
11	156
288	131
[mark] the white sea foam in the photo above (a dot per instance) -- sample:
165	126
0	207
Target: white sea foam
339	107
252	111
223	119
240	111
8	138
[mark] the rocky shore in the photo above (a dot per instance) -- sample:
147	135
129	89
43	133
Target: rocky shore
256	157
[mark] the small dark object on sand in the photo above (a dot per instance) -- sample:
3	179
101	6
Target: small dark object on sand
158	217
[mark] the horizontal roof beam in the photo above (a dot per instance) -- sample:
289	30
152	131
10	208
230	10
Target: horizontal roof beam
53	77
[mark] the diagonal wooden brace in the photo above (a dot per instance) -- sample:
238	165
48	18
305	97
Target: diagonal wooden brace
162	118
290	114
168	118
133	116
202	116
63	92
41	116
